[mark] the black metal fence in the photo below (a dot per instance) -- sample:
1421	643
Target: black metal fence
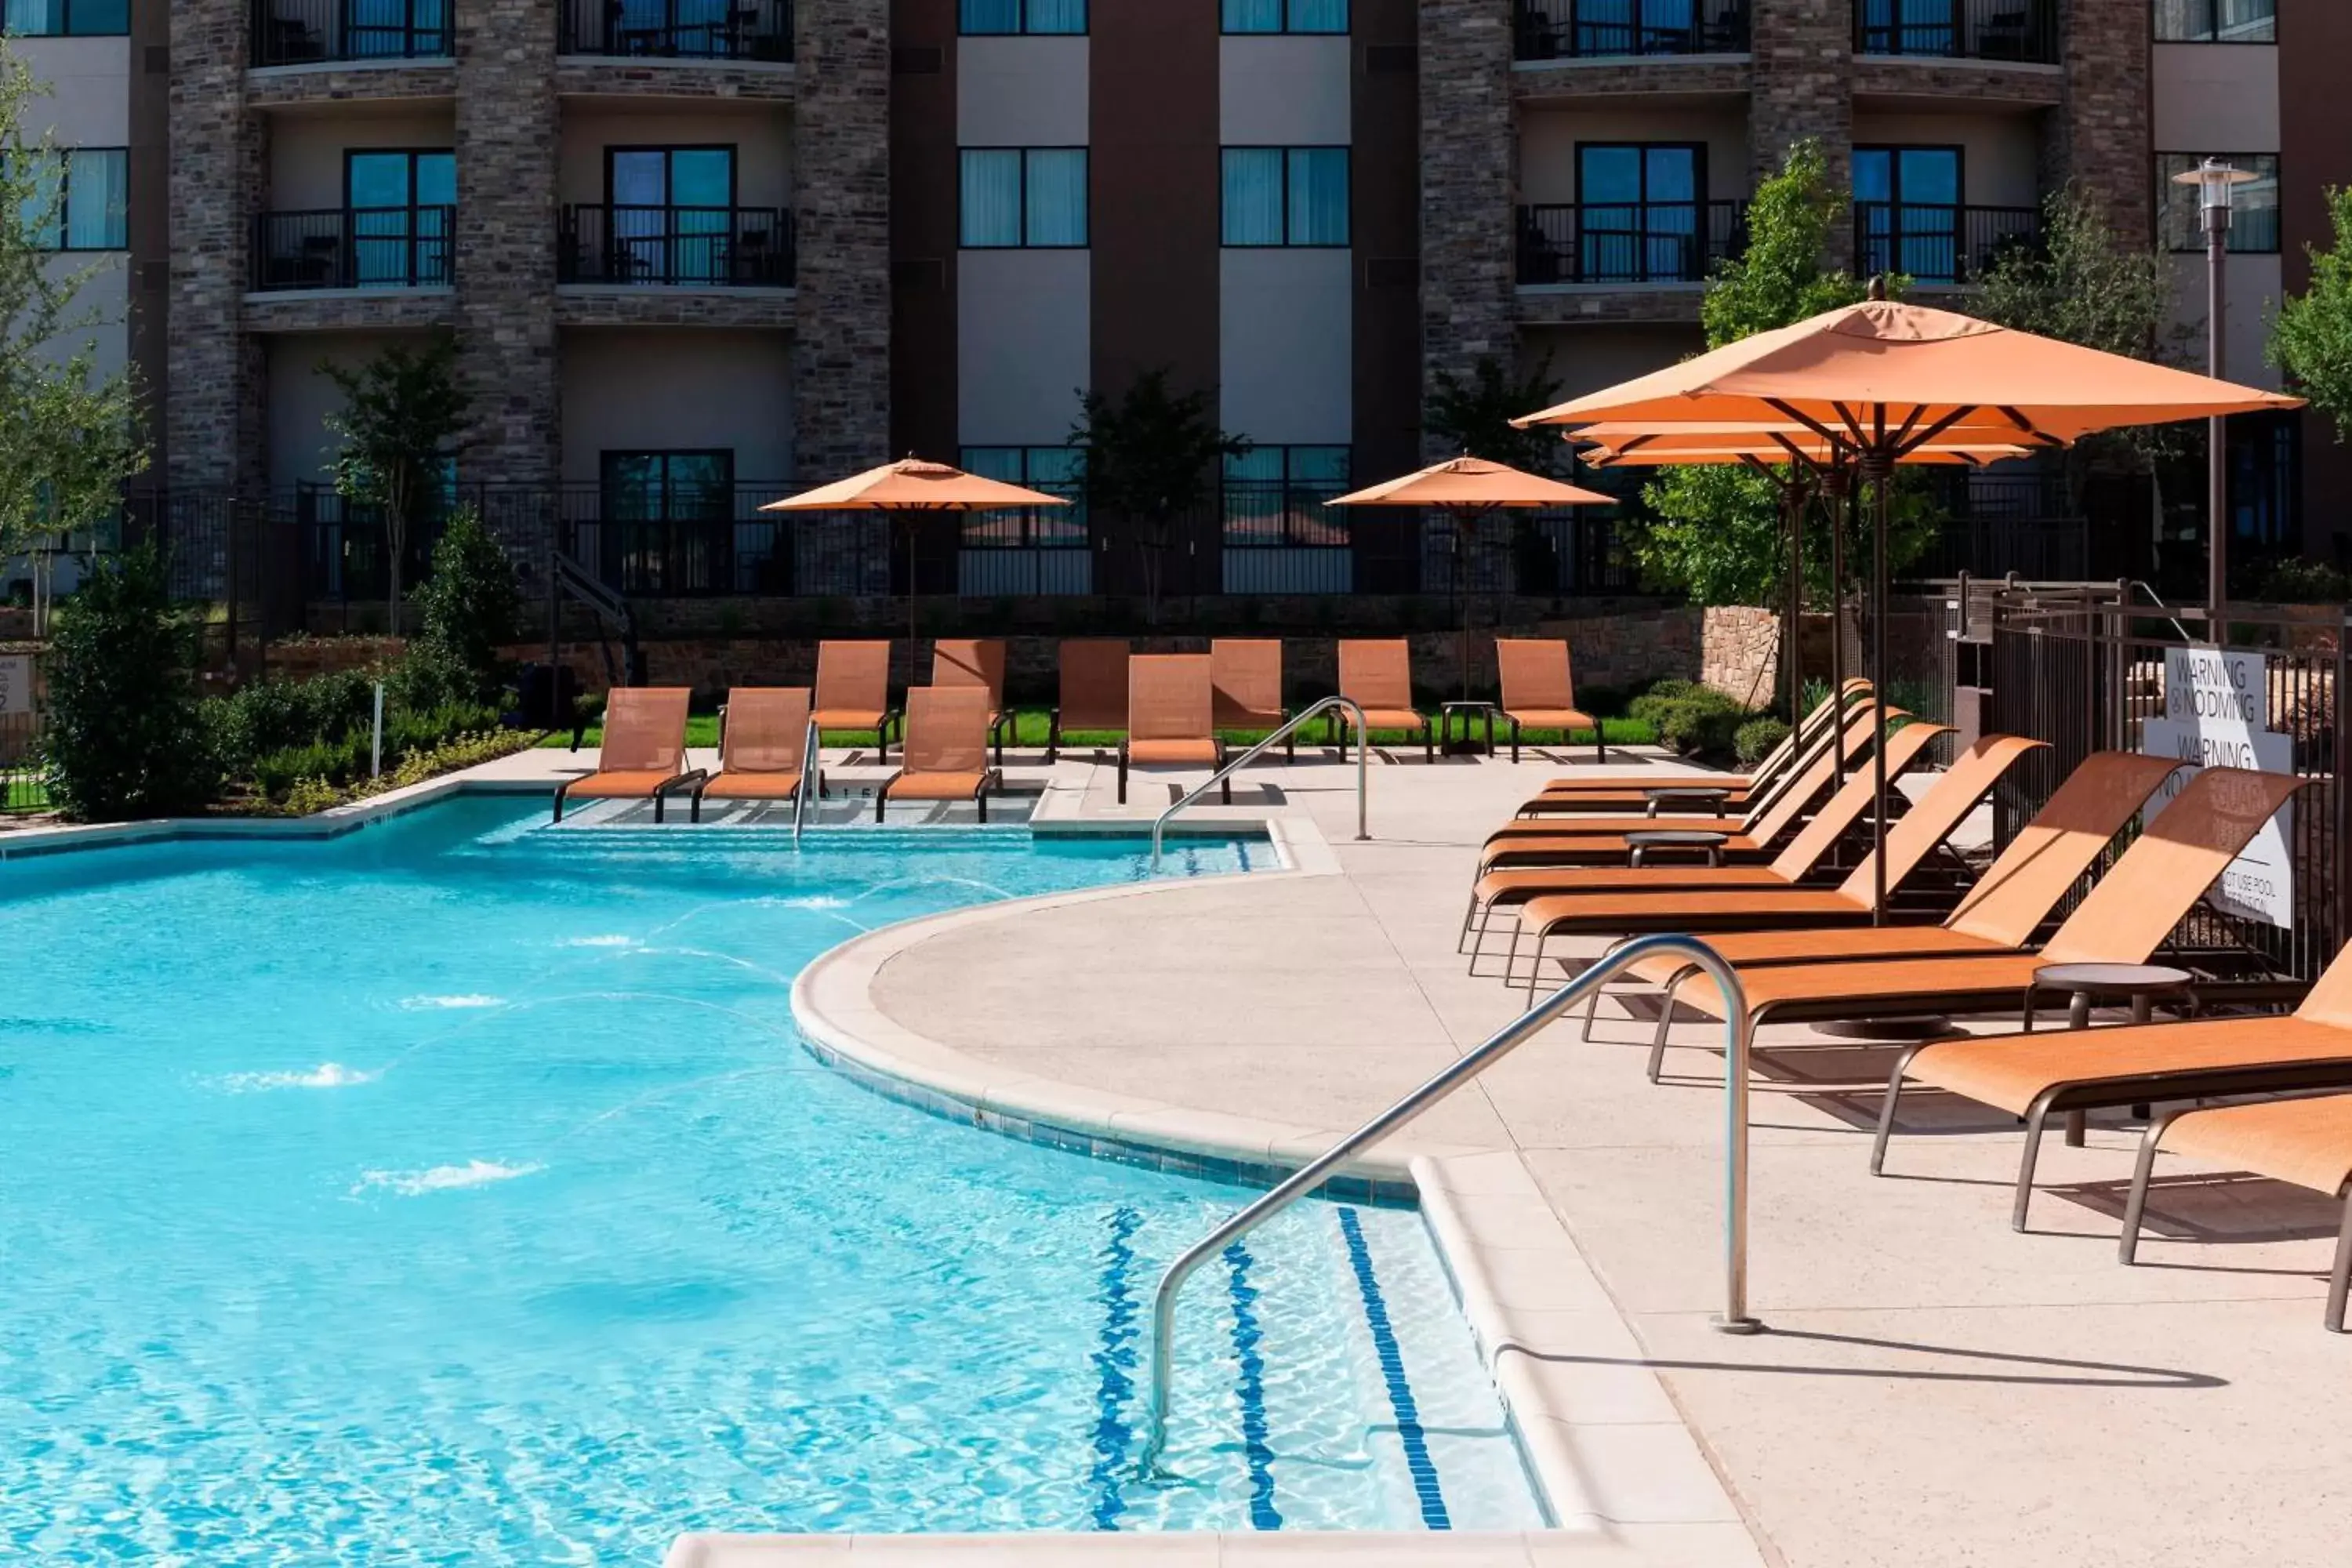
1937	242
1583	29
742	248
314	32
2017	30
679	29
1628	242
381	247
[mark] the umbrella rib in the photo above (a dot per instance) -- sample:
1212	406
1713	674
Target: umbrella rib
1937	428
1807	420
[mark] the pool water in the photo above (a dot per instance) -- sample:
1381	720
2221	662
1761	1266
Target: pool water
459	1191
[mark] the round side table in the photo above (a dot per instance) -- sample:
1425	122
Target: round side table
1695	839
2139	984
1695	797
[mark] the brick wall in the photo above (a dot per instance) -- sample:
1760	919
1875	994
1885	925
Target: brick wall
215	410
1468	141
1739	653
841	196
1803	69
2100	135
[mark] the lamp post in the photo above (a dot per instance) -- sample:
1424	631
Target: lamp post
2215	182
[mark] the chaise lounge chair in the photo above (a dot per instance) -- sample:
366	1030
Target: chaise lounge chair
1708	793
977	662
762	747
944	751
1170	717
1538	693
643	752
852	690
1246	687
1377	676
1093	690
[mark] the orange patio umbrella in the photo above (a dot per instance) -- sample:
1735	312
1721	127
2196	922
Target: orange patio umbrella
1469	489
1885	379
907	486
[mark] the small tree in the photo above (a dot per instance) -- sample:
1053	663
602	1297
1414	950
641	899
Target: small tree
124	737
466	611
70	436
2312	339
1152	456
1474	417
402	415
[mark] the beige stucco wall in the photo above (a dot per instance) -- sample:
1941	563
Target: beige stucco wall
301	398
2255	284
306	152
1021	92
1586	358
1999	153
1548	138
2215	97
1286	345
630	390
1284	92
88	103
104	295
1024	344
761	135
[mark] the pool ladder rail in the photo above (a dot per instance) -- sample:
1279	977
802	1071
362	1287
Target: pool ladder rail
811	780
1733	1319
1328	704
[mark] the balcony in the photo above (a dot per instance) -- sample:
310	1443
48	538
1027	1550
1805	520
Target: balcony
1617	29
1628	243
755	30
677	246
2013	31
320	32
389	248
1933	243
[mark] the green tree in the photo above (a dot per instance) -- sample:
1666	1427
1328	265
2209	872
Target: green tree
466	612
399	424
2312	339
69	435
1151	456
1474	414
124	737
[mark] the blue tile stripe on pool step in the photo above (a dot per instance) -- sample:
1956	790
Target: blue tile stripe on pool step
1115	1367
1247	1336
1417	1462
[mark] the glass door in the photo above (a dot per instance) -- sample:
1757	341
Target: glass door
400	204
1909	199
672	213
1638	212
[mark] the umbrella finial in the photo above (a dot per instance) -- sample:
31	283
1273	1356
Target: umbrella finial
1878	289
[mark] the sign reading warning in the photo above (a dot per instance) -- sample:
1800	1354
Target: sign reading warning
2217	715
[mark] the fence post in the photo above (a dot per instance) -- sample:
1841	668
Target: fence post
2342	801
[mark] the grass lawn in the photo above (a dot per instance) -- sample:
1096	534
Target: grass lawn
1029	730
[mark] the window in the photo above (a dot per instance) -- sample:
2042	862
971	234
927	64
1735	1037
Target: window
985	17
1907	211
66	19
402	205
673	213
1285	195
2254	207
1638	211
1053	469
2217	21
1274	497
667	521
1024	197
1285	15
81	200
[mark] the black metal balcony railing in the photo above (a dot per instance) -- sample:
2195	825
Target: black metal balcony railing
1936	243
314	32
679	29
711	248
385	247
1629	242
1592	29
2017	30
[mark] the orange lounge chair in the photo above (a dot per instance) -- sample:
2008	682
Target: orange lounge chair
2125	917
1093	690
1738	789
1704	794
1377	676
1245	686
852	690
944	751
1170	717
2308	1142
1909	845
644	754
1511	887
1538	693
2036	1077
762	747
975	661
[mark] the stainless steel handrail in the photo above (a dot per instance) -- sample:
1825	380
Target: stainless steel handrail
1363	746
1734	1318
812	777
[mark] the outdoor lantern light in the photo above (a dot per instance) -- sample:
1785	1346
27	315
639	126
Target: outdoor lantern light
2215	181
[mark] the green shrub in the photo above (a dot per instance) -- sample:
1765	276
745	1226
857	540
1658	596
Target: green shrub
466	612
309	796
2300	581
338	762
1689	718
1756	737
277	715
126	737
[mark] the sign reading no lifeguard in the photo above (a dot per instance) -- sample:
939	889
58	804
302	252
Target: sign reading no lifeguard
2217	715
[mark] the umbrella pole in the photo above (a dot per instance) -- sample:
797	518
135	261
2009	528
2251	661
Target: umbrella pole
1795	599
1878	690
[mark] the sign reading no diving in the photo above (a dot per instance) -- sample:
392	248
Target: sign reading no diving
2217	715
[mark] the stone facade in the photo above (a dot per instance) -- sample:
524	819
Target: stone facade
739	310
2100	136
841	354
213	407
677	80
1739	653
1468	144
284	86
1986	82
353	310
1580	81
1663	304
1804	87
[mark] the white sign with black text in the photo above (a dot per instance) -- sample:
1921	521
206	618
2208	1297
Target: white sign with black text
2217	715
15	684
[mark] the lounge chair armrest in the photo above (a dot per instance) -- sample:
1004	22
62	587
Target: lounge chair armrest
691	776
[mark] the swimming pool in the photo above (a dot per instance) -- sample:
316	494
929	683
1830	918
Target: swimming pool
459	1189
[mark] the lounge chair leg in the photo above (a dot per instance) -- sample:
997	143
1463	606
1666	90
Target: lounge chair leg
881	802
980	800
1054	737
1887	1109
1462	941
2339	1280
2037	1116
1122	772
1511	955
1599	743
1665	1021
1514	740
659	801
1591	1011
1535	970
1429	744
559	790
2135	1206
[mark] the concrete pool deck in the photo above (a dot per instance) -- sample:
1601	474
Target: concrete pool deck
1935	1388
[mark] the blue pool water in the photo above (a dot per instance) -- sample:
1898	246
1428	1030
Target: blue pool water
459	1191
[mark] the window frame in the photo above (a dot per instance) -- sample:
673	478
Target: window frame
67	8
606	487
669	175
1031	520
1698	170
1289	486
2156	37
414	238
2164	199
1288	29
1346	150
1022	29
61	212
1021	208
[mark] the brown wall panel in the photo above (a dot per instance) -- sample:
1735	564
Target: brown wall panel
923	228
1387	197
2316	154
